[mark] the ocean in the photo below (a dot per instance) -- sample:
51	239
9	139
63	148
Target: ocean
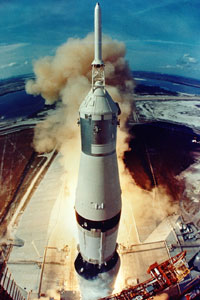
171	83
19	105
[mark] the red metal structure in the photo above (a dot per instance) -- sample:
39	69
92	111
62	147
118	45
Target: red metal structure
163	275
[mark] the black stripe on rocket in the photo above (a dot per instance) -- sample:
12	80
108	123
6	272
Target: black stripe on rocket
98	225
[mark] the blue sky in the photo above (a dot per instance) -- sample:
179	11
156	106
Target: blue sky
161	36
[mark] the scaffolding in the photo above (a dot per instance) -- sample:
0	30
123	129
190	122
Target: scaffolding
163	276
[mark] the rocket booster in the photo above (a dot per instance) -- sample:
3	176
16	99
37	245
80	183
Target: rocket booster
98	193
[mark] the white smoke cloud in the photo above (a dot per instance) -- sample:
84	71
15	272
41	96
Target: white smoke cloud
97	288
65	79
163	296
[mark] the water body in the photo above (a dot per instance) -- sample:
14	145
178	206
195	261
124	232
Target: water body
168	82
19	105
170	86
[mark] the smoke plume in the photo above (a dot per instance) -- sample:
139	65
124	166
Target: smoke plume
97	288
65	79
163	296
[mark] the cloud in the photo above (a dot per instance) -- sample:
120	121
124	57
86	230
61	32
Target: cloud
11	47
186	61
169	67
159	41
153	7
12	64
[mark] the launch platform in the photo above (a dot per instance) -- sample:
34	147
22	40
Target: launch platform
45	262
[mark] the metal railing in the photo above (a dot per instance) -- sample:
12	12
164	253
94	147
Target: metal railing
9	286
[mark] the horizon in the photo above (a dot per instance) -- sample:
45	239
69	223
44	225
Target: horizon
166	38
32	75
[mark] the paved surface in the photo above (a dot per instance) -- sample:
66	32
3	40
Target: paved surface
48	230
36	228
136	260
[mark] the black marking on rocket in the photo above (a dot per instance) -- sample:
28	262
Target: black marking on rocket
91	271
98	225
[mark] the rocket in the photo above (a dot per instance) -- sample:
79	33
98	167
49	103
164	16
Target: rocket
98	193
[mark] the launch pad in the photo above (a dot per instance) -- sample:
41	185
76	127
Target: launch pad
48	263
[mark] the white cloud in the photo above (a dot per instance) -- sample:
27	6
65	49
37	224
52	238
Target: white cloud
184	62
158	41
12	64
169	67
154	7
11	47
168	42
187	61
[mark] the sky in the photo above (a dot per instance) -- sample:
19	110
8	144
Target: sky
160	36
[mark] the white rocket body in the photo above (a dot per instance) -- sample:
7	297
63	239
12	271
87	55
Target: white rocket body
98	194
97	36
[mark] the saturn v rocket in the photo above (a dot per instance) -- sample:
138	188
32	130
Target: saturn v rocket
98	194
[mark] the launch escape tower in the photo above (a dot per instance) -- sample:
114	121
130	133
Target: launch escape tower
98	194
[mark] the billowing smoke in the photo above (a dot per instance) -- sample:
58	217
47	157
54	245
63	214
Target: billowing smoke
66	79
98	288
163	296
